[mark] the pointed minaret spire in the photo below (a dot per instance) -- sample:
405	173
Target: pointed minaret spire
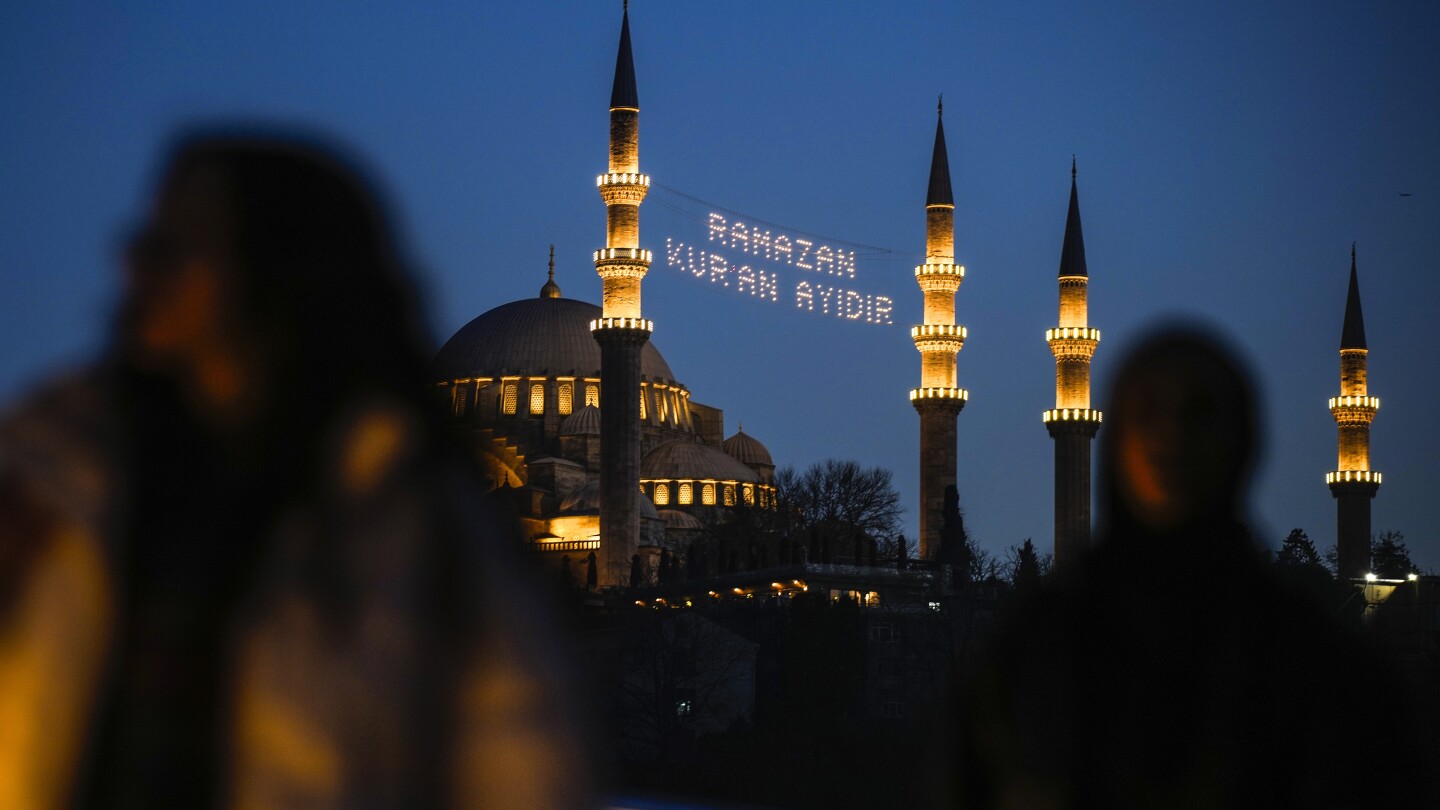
939	191
623	93
1352	335
1072	250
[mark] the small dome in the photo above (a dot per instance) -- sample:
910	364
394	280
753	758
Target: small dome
688	460
583	501
584	422
683	521
747	449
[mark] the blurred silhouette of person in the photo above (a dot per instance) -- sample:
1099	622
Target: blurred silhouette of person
1168	668
242	566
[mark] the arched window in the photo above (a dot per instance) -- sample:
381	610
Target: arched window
748	491
507	401
592	395
462	393
729	494
687	494
565	398
537	399
662	494
707	495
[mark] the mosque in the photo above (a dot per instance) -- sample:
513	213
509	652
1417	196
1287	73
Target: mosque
533	385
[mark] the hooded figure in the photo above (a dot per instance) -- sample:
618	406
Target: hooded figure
249	570
1168	668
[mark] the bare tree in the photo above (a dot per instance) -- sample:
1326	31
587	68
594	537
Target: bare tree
678	676
840	500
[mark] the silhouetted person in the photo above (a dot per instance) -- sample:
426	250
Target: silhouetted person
1169	669
255	575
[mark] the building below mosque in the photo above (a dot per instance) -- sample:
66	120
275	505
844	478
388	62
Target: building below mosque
522	387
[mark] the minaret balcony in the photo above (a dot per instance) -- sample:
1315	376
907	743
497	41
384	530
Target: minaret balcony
1071	415
942	277
1373	403
622	262
1353	477
959	394
1072	342
1354	410
1073	333
628	324
939	338
622	179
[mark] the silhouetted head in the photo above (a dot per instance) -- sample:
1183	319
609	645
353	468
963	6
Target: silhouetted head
1180	436
267	279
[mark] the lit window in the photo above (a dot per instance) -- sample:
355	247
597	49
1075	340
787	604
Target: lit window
462	398
749	492
682	708
687	494
642	403
659	406
707	495
729	494
507	404
592	396
565	398
537	399
662	494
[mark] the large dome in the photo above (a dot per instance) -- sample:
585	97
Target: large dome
533	336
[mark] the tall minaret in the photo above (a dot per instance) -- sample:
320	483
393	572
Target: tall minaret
1072	423
620	331
937	400
1353	483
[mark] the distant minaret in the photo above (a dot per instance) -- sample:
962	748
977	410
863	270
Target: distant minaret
1353	483
937	400
1072	424
621	332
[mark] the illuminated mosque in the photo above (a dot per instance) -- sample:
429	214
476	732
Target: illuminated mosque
533	385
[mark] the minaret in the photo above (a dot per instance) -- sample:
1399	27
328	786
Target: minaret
1072	423
938	339
620	330
1353	483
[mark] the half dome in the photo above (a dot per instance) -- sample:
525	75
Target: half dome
680	460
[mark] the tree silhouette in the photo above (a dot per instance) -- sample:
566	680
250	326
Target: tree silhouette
1389	557
1024	566
1297	550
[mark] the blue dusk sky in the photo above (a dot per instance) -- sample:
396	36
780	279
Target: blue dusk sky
1229	153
